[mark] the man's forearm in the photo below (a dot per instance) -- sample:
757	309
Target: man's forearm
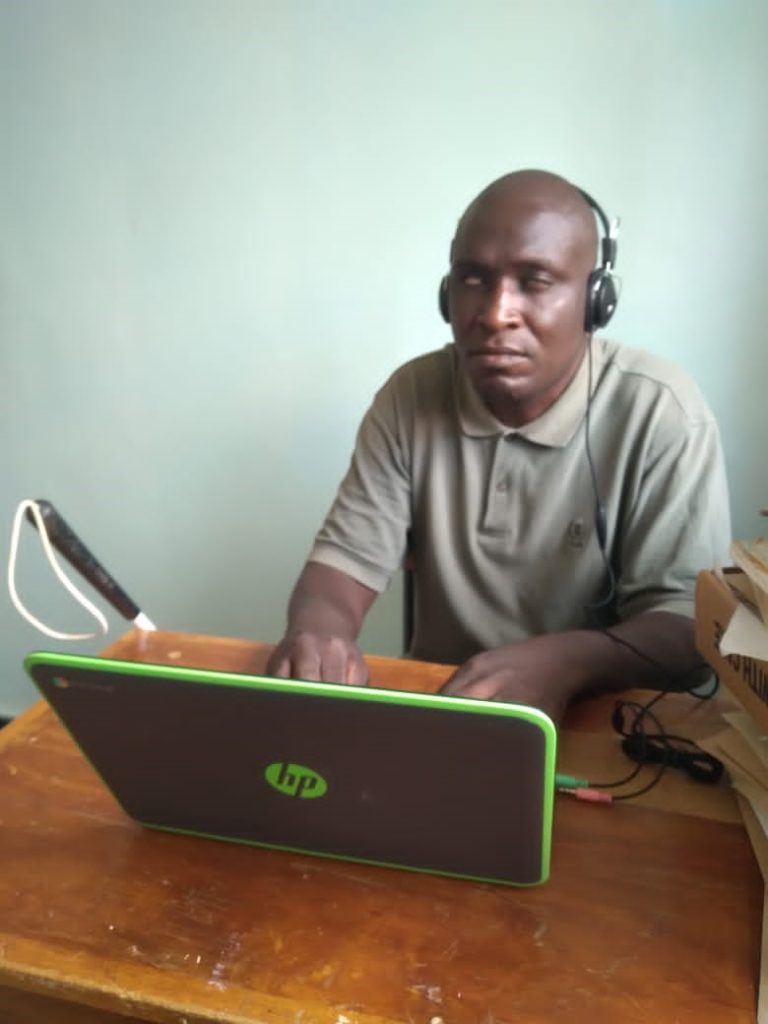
655	650
327	601
550	670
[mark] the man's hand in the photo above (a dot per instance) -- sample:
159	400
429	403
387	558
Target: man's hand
538	672
327	659
654	649
325	614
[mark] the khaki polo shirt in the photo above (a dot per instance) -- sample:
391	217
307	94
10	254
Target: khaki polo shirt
502	520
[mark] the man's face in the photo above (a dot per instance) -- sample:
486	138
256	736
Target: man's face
517	293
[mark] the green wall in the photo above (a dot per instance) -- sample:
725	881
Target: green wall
222	224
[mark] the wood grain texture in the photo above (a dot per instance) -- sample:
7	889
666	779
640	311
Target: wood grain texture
649	915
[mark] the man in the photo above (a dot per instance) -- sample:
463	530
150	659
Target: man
539	507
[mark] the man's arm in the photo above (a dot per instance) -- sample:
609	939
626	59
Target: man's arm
676	523
550	671
325	613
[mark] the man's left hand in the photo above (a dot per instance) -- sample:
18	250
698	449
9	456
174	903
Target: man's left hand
534	672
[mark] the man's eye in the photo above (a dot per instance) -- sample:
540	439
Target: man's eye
472	280
537	282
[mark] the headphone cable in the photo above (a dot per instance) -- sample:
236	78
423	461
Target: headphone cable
601	519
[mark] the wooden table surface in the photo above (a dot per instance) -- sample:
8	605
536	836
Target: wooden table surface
652	912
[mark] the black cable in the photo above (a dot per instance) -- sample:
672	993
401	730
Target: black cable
665	750
659	748
619	782
601	529
601	520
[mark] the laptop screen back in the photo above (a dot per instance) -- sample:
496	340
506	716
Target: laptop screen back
431	783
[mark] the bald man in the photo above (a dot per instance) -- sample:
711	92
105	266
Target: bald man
560	491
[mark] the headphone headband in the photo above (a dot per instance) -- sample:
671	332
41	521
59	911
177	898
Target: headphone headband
610	231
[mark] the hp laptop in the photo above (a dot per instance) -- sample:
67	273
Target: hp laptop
430	783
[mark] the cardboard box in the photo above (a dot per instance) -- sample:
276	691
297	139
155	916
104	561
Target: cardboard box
751	556
717	597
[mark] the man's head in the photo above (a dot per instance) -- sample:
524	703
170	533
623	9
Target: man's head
520	261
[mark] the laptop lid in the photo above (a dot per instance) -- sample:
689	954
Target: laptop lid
432	783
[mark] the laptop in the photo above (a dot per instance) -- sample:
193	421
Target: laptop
439	784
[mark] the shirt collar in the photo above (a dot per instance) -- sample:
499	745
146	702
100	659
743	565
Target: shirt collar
554	428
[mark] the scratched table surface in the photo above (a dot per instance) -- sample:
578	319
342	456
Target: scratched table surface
652	911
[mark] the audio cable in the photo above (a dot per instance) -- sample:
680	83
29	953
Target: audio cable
657	748
601	518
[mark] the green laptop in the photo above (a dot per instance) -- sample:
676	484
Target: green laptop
431	783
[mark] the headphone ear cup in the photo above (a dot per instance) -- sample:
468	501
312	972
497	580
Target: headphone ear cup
601	299
442	300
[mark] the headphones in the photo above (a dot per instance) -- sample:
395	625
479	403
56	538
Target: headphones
602	291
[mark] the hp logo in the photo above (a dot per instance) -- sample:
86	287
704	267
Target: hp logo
295	780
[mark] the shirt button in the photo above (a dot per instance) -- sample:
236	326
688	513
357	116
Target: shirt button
502	485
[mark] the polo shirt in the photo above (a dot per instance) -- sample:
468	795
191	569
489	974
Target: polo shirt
502	519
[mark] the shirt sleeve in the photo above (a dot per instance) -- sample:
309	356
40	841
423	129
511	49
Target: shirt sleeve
679	522
365	532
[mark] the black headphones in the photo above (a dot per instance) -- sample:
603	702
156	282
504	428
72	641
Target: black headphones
602	293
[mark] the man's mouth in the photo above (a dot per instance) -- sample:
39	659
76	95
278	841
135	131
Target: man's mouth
498	357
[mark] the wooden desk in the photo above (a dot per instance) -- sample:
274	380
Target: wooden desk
650	914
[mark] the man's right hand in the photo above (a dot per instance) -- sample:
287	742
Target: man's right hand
325	613
327	659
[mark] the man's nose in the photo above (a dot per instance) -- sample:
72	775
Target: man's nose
502	306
